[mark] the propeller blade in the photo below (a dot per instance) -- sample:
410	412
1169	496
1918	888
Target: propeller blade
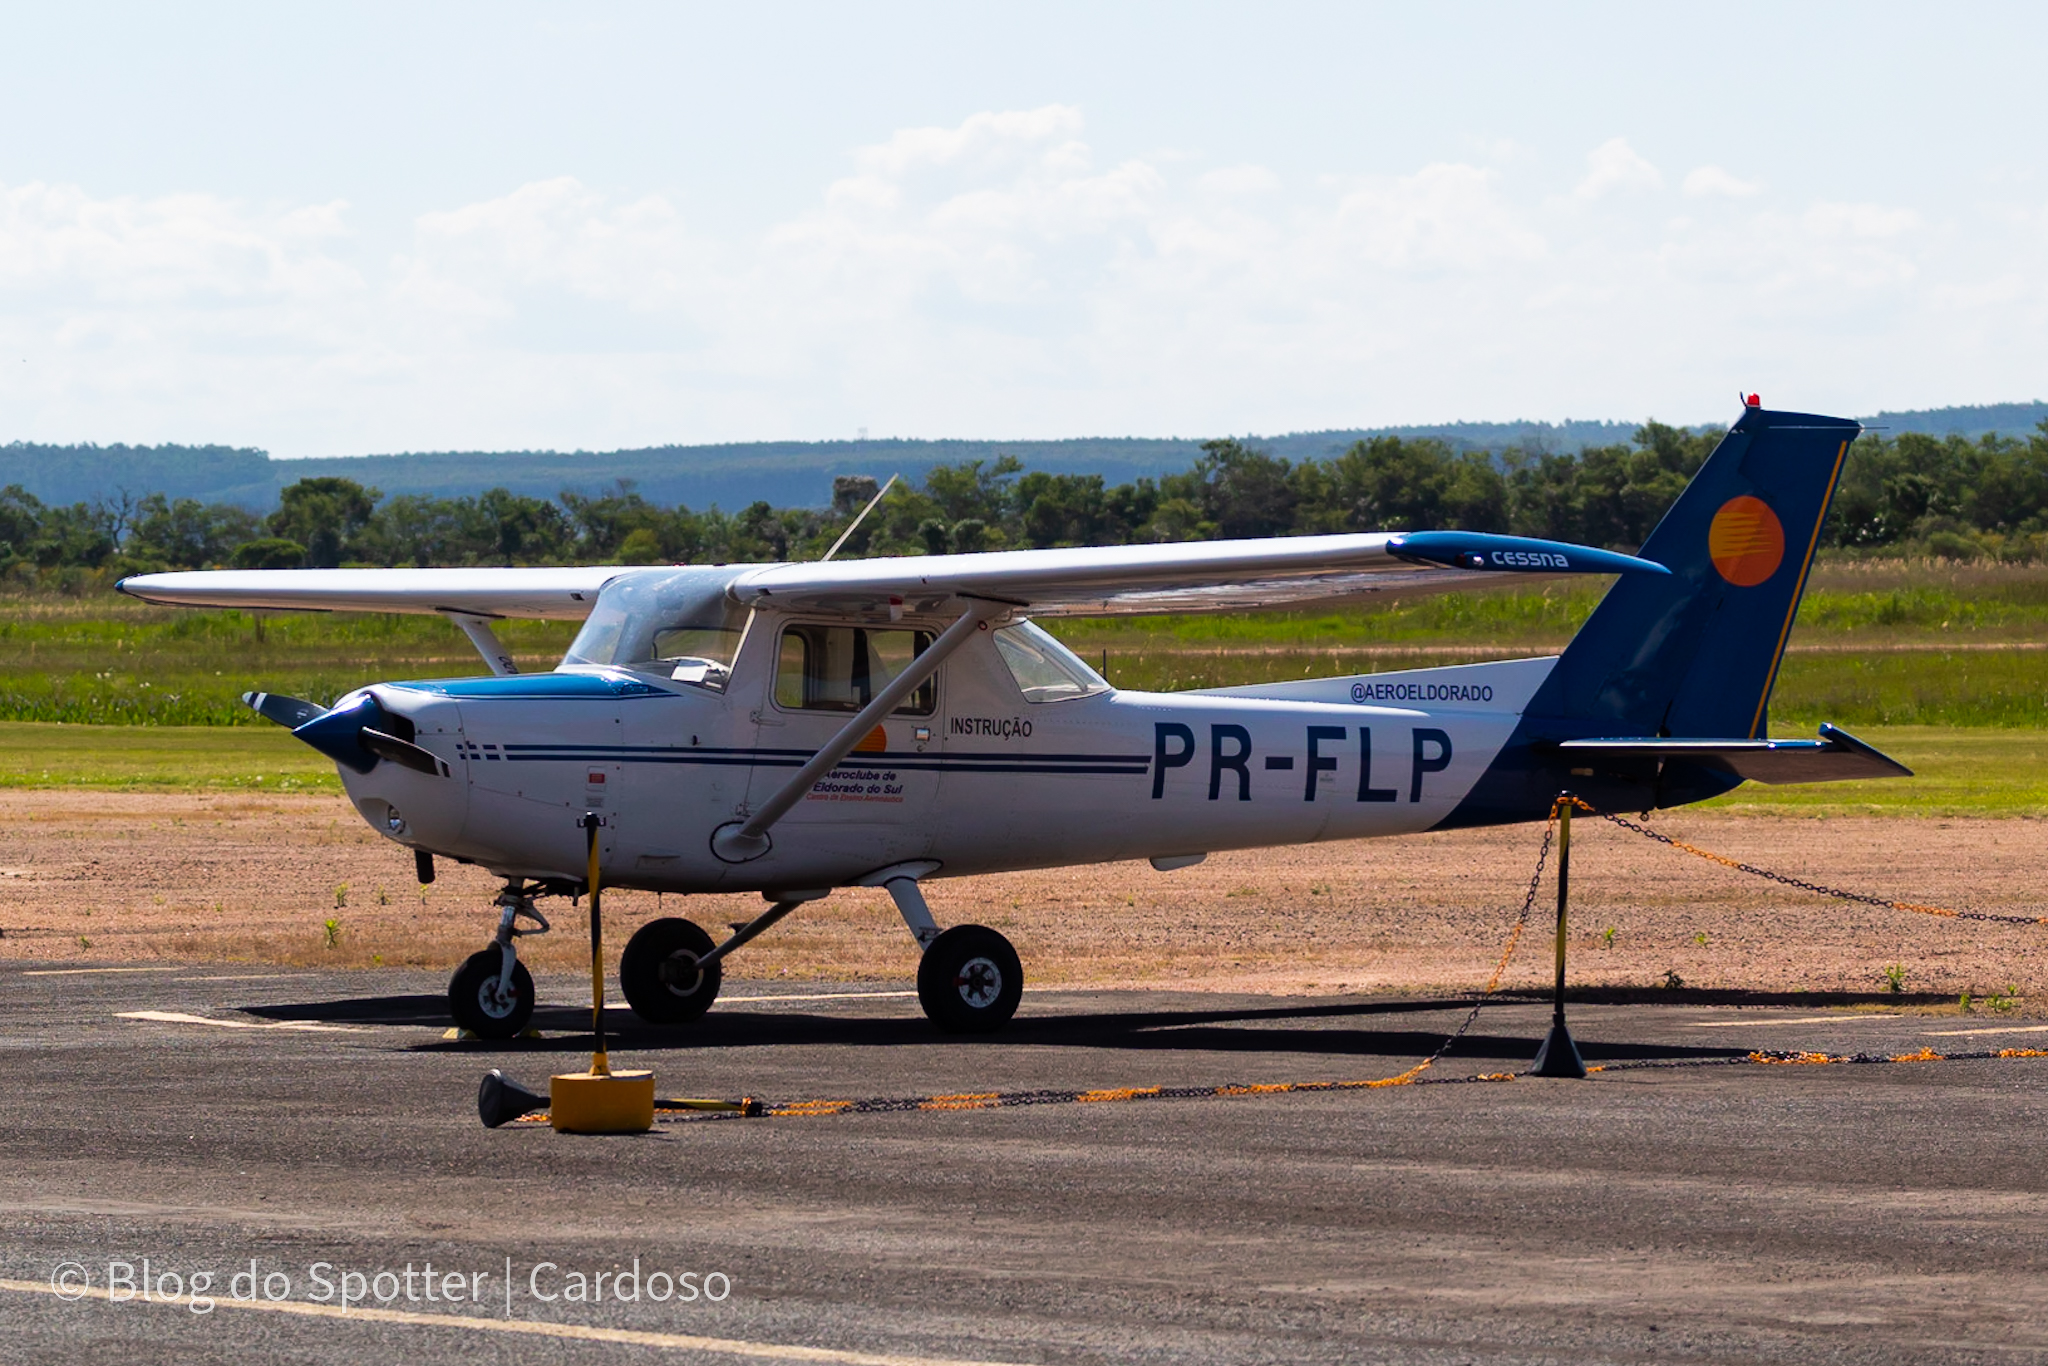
289	712
402	752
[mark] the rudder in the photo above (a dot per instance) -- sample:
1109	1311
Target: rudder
1696	653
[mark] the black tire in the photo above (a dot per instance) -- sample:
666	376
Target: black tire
969	981
474	1001
659	975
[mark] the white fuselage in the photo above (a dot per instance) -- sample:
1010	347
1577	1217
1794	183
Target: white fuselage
986	780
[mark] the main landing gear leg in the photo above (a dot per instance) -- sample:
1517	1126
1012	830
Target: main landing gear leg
969	980
491	994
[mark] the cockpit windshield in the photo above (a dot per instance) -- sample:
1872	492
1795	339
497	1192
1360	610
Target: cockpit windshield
677	624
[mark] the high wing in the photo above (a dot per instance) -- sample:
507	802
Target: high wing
1195	576
560	594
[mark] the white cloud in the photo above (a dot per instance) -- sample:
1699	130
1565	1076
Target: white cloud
189	247
1614	165
982	137
1859	220
1703	181
1000	276
1238	180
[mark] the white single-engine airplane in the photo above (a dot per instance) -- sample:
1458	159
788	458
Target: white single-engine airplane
792	728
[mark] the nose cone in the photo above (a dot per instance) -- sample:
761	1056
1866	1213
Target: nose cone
401	800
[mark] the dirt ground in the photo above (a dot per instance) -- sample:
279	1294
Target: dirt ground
231	878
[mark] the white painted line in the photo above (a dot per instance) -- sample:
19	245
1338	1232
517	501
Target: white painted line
575	1332
883	995
823	996
259	977
179	1017
1968	1033
88	972
1803	1019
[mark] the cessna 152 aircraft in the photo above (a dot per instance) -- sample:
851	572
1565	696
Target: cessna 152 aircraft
794	728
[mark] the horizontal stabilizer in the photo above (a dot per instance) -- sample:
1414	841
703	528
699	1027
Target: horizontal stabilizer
1836	756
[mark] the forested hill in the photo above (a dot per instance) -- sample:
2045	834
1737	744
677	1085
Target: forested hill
783	473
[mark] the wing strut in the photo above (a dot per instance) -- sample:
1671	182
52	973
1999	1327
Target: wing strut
480	634
739	841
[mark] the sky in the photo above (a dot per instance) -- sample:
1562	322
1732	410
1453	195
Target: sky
328	230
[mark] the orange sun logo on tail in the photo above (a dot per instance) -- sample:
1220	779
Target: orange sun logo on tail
1746	541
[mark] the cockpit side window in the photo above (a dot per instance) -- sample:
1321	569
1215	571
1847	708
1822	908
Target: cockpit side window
680	626
1044	669
841	668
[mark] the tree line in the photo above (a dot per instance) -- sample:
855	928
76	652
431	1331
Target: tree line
1952	497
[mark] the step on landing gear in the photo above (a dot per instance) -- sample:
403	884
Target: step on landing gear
491	994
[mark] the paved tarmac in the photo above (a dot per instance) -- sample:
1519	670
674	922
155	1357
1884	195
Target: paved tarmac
319	1126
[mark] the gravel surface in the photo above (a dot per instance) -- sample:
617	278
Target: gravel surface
93	875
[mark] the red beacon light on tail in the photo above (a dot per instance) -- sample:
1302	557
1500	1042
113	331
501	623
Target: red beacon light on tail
1753	401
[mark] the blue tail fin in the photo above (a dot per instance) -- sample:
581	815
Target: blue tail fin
1696	653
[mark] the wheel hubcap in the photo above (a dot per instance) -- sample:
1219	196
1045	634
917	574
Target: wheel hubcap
680	974
979	982
493	1002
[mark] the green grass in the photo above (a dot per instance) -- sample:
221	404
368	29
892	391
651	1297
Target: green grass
1980	771
114	661
160	758
1928	687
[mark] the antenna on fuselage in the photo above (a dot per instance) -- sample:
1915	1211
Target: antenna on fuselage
855	525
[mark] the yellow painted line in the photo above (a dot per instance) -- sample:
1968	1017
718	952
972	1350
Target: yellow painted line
89	972
179	1017
1803	1019
1966	1033
682	1342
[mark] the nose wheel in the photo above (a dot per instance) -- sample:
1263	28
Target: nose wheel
491	994
485	1001
969	980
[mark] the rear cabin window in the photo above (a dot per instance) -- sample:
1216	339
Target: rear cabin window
841	668
1045	670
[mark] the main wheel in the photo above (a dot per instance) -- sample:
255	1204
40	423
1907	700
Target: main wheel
480	1007
659	972
969	981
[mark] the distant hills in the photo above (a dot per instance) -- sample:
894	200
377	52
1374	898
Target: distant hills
784	473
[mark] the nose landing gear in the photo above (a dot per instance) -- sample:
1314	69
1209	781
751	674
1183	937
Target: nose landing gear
491	994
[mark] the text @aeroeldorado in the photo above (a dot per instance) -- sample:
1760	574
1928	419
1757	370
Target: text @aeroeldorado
201	1289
